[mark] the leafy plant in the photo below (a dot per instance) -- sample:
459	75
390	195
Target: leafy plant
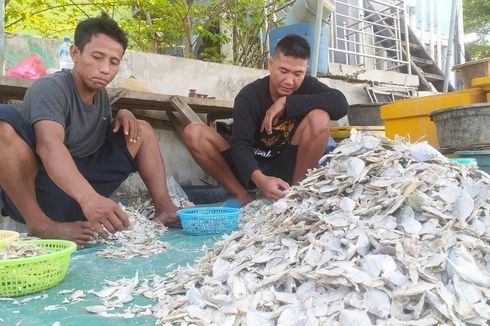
191	28
477	20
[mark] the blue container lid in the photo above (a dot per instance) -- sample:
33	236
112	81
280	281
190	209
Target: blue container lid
464	160
473	153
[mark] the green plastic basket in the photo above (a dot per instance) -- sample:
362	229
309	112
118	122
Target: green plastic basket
23	276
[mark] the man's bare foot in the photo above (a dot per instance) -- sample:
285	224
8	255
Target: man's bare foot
79	232
168	217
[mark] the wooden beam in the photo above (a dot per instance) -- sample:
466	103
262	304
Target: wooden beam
15	88
176	121
116	93
157	123
182	107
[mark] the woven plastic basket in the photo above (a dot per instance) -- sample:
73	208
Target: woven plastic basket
208	220
33	274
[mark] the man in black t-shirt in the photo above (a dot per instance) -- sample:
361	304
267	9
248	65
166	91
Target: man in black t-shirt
280	127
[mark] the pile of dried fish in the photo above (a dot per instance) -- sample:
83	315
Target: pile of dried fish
389	233
16	250
140	239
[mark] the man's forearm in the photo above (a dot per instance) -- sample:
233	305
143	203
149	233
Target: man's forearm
257	177
63	171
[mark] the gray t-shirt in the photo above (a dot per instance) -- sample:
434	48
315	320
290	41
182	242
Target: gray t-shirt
54	97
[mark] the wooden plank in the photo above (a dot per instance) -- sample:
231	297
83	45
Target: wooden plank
433	77
184	109
161	102
116	93
421	61
176	120
15	88
157	123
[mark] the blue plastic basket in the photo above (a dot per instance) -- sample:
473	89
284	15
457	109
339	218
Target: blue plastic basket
208	220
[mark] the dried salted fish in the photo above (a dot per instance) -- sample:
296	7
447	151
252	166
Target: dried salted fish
115	294
67	291
388	233
98	309
54	307
423	152
140	239
25	300
464	264
16	250
75	297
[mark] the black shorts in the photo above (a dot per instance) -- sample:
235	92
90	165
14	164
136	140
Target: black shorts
281	166
105	170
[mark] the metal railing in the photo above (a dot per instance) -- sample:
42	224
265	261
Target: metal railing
368	34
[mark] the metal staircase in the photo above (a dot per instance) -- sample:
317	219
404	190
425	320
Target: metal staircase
421	62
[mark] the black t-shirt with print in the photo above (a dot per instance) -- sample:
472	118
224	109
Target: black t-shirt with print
249	145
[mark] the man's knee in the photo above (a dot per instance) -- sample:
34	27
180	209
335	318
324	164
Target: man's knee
147	131
193	132
317	121
146	127
7	133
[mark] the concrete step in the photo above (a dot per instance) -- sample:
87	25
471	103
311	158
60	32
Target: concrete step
433	77
421	62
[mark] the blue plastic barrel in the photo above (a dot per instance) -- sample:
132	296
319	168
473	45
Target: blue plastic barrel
306	30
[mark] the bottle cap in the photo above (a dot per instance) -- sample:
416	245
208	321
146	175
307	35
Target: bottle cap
66	39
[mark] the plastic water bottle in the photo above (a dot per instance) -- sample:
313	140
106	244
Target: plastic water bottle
64	54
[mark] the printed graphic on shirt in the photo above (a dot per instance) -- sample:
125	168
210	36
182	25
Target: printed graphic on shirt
271	145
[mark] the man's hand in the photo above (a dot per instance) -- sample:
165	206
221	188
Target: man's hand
100	211
272	187
168	219
273	114
168	216
129	123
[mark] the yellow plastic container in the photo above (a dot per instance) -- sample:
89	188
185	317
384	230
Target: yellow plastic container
410	118
340	133
482	82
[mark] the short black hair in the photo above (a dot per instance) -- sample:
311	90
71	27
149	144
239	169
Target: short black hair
293	46
103	24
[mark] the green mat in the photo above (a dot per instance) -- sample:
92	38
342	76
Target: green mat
87	271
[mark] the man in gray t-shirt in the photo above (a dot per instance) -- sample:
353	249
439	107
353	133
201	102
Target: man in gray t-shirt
62	159
56	98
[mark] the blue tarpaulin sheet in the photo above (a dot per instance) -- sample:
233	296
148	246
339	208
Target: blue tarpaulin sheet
88	271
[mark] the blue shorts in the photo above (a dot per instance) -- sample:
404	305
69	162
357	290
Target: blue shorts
105	170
